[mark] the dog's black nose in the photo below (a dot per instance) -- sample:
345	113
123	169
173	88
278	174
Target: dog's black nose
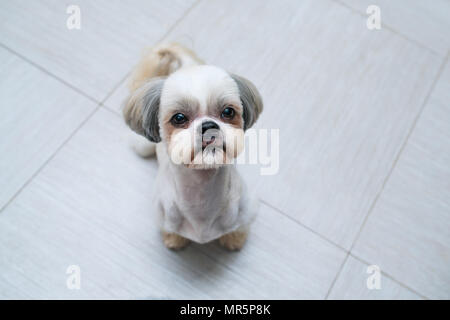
209	125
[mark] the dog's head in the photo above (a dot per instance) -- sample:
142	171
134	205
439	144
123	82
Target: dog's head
200	112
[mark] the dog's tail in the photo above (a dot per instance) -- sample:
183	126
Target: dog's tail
161	61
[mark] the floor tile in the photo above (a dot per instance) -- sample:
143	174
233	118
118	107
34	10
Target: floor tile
97	56
343	98
408	232
38	115
115	101
92	206
282	259
352	285
427	23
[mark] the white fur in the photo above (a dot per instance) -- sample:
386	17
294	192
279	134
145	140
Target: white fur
199	81
200	205
200	202
142	146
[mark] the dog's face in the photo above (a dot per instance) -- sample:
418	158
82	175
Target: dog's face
200	112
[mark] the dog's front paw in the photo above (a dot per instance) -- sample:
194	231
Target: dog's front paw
234	240
174	241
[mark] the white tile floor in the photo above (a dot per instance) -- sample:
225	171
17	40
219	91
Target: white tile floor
364	119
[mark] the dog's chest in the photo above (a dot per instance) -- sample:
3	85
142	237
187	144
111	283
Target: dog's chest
202	211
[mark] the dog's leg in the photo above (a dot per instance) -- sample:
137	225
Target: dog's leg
174	241
234	240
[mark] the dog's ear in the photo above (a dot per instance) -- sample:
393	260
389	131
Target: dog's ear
141	109
251	100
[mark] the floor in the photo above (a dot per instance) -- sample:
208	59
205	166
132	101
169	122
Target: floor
364	175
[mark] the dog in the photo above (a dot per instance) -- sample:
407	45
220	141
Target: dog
193	116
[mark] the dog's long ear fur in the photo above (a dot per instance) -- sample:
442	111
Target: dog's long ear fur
141	109
251	100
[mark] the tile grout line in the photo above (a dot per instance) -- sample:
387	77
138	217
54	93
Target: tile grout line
168	31
337	276
114	112
303	225
349	252
50	74
115	87
402	147
297	222
44	164
387	275
389	28
217	261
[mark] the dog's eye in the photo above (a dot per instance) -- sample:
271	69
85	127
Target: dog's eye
179	118
227	113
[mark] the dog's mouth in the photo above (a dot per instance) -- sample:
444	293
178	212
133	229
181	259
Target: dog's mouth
211	155
213	143
207	142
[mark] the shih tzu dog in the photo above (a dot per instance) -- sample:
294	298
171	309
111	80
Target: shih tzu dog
194	116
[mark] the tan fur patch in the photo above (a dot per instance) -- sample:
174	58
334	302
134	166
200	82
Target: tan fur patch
174	241
234	240
160	61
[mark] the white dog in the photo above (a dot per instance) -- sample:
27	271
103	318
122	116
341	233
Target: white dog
194	116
